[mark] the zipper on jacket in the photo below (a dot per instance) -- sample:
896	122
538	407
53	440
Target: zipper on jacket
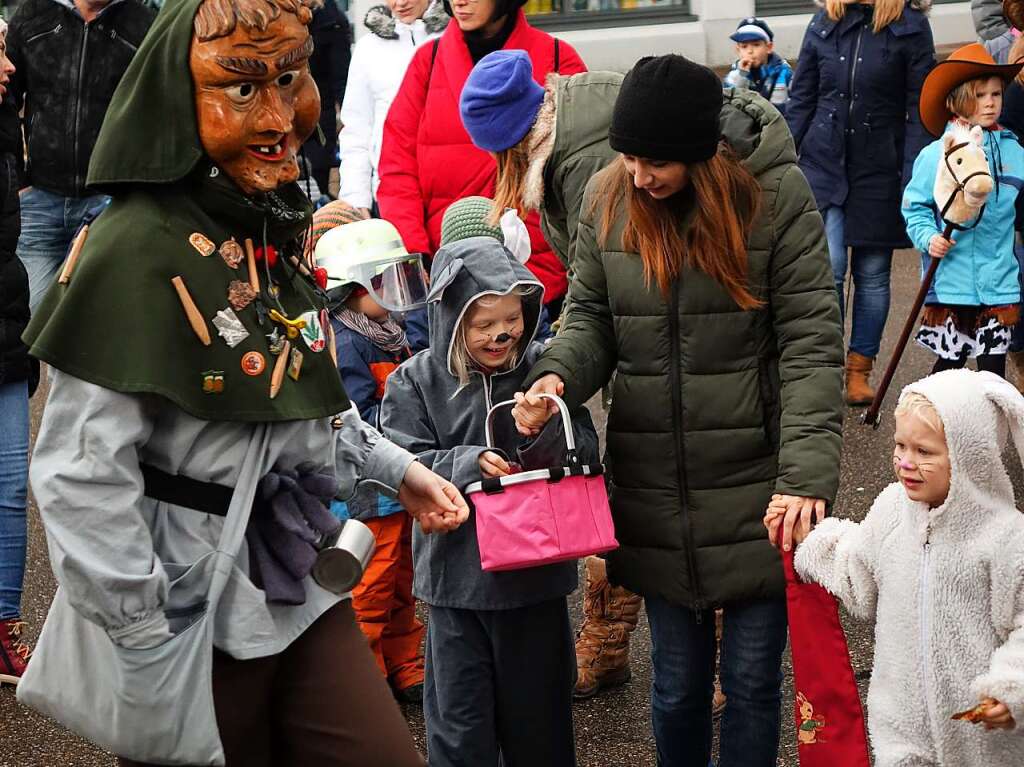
853	73
35	37
114	36
925	629
78	100
677	425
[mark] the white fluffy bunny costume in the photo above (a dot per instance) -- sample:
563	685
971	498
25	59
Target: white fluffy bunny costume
946	587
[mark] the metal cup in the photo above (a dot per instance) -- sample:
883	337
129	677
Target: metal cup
339	567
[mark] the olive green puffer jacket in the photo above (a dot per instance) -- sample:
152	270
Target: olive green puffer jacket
714	408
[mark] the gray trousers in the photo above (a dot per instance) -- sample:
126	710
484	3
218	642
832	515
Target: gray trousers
499	687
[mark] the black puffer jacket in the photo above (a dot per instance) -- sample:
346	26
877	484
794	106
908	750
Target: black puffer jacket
67	71
14	360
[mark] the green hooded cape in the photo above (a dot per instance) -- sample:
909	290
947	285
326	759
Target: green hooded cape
119	322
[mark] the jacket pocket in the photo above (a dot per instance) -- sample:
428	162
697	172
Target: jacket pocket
41	35
117	38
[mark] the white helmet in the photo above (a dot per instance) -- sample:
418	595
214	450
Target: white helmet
370	254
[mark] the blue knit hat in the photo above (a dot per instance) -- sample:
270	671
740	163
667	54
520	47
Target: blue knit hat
500	100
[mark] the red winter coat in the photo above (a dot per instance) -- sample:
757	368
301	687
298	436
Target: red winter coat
427	160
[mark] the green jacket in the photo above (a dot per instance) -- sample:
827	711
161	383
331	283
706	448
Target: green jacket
714	408
583	112
119	322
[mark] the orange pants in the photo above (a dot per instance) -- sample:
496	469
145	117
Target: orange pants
384	605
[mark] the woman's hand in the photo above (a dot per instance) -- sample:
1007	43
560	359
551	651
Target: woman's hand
939	246
792	515
533	411
996	715
493	465
431	500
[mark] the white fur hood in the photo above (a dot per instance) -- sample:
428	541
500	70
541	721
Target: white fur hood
945	586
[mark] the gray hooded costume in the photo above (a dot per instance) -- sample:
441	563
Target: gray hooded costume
425	412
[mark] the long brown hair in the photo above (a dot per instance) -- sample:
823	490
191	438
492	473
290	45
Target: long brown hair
727	199
513	165
886	12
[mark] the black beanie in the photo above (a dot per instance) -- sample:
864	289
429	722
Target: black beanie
668	109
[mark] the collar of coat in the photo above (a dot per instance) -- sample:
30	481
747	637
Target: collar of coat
382	23
905	25
540	143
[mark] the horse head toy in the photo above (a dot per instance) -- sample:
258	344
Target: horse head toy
963	181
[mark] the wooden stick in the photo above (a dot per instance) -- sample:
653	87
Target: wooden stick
871	416
72	259
195	319
330	340
303	269
250	257
279	367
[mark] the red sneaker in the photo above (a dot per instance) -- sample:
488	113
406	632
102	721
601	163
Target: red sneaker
14	651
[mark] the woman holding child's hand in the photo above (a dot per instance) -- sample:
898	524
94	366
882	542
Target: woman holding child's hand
714	307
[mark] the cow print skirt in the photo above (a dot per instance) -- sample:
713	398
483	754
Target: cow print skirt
965	332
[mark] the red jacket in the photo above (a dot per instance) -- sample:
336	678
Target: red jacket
427	160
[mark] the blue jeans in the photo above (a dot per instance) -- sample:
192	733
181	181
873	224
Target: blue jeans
683	655
48	224
870	269
13	493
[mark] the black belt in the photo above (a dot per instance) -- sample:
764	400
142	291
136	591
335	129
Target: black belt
207	497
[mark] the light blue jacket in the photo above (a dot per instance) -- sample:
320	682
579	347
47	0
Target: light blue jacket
981	269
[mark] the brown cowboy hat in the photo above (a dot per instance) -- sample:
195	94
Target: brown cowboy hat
1013	10
963	64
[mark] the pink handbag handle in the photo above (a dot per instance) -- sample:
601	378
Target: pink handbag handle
570	441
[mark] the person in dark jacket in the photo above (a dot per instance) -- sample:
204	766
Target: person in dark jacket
69	56
724	338
332	52
15	388
854	116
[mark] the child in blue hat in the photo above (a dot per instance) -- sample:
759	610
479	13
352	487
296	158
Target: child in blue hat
757	66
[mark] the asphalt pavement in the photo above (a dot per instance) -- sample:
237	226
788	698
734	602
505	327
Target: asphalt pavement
613	729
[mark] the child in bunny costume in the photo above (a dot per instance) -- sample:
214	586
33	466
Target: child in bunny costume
939	563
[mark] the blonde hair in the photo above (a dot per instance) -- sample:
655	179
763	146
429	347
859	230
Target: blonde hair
886	12
461	361
916	404
962	100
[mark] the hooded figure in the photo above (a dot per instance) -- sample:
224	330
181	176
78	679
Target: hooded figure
496	619
169	405
944	585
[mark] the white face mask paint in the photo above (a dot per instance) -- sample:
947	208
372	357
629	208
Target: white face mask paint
517	237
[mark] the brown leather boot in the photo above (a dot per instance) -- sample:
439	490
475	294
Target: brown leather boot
602	644
858	371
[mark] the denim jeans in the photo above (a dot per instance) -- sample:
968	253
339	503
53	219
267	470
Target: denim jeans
870	269
13	493
683	655
48	224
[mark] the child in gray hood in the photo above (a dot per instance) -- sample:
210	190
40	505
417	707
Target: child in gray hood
499	647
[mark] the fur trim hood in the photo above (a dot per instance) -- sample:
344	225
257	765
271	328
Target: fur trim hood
918	5
380	21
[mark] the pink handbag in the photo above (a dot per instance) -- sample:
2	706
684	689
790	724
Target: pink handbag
543	516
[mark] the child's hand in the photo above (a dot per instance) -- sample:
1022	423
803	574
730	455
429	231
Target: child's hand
792	514
493	465
532	411
996	716
431	500
939	246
